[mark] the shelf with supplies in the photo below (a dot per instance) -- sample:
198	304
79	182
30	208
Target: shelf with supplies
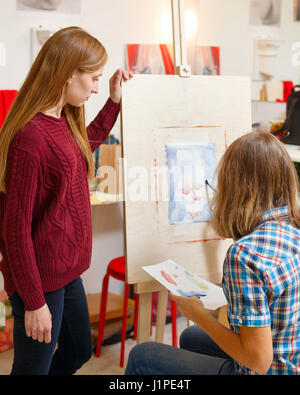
104	199
107	188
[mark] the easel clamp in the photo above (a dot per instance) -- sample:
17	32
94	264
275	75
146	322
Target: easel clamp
183	71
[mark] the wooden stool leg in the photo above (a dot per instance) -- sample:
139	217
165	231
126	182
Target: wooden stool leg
144	318
124	326
161	314
102	313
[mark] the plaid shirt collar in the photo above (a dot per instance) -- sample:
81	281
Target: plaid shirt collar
276	214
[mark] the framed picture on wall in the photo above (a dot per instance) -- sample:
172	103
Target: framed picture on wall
56	7
158	59
296	10
265	12
150	58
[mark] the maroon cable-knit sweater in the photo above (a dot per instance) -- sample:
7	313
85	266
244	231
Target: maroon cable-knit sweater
45	215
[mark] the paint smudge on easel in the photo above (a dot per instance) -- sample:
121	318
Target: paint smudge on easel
198	241
190	127
226	143
156	187
156	194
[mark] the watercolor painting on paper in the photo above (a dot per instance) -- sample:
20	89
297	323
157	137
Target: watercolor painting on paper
182	282
190	167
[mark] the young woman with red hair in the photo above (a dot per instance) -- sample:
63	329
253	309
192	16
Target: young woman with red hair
45	217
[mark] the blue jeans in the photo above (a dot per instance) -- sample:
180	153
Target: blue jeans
198	355
70	332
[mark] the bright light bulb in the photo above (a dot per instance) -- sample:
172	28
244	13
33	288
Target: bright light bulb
191	24
166	31
190	21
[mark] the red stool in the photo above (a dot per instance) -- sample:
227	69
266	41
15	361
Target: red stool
116	269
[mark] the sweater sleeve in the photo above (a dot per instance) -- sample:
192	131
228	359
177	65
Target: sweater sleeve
21	181
100	127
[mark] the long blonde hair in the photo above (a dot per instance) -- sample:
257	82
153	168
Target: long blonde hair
255	174
68	50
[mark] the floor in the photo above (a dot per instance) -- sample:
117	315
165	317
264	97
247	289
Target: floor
108	363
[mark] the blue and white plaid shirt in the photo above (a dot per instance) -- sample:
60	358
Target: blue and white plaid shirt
261	281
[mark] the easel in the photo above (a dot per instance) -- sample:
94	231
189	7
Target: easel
145	290
158	110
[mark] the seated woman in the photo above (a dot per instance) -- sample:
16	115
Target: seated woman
257	205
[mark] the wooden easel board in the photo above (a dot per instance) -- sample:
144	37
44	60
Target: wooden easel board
162	110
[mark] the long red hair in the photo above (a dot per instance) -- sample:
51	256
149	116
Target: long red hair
68	50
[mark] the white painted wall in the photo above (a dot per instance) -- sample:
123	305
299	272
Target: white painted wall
117	22
226	24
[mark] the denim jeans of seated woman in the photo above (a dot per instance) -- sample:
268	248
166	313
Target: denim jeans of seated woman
198	355
70	333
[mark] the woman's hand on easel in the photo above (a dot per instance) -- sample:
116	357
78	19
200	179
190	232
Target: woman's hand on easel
38	324
115	82
191	308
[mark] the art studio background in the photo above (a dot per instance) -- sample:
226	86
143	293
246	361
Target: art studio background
238	37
